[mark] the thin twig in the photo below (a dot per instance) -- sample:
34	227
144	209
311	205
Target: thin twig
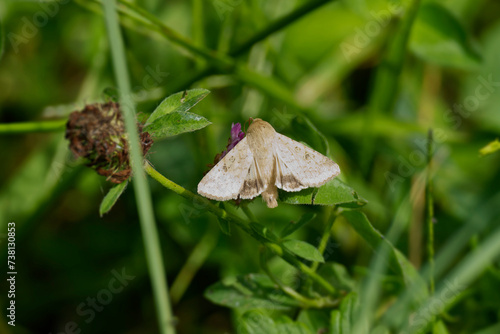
194	262
277	249
41	126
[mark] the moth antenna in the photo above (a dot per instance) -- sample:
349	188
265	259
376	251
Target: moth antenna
249	121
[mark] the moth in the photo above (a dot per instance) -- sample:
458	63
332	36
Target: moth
261	163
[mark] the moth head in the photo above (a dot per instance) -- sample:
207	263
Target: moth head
260	127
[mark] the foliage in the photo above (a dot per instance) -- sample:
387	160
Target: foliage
404	240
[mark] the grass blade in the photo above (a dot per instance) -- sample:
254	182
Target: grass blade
141	188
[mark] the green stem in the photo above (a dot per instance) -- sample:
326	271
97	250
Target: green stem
326	235
272	28
219	63
141	188
26	127
288	256
385	87
307	302
194	262
429	205
198	28
277	25
156	24
248	212
277	249
188	194
465	273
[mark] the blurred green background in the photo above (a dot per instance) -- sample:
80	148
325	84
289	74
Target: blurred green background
323	64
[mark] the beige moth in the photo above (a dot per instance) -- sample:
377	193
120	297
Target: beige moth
263	161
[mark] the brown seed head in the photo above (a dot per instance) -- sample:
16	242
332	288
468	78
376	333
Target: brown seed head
97	133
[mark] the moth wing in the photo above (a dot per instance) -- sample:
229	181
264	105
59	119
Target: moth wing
253	185
232	174
299	167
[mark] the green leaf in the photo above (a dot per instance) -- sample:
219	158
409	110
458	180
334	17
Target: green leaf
253	291
286	325
304	250
397	261
342	321
490	148
176	123
111	197
334	192
335	322
182	101
347	309
438	37
256	322
294	226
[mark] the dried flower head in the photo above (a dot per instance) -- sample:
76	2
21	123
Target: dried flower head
97	133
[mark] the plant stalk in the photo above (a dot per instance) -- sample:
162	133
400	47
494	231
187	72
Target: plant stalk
277	249
26	127
429	210
141	188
